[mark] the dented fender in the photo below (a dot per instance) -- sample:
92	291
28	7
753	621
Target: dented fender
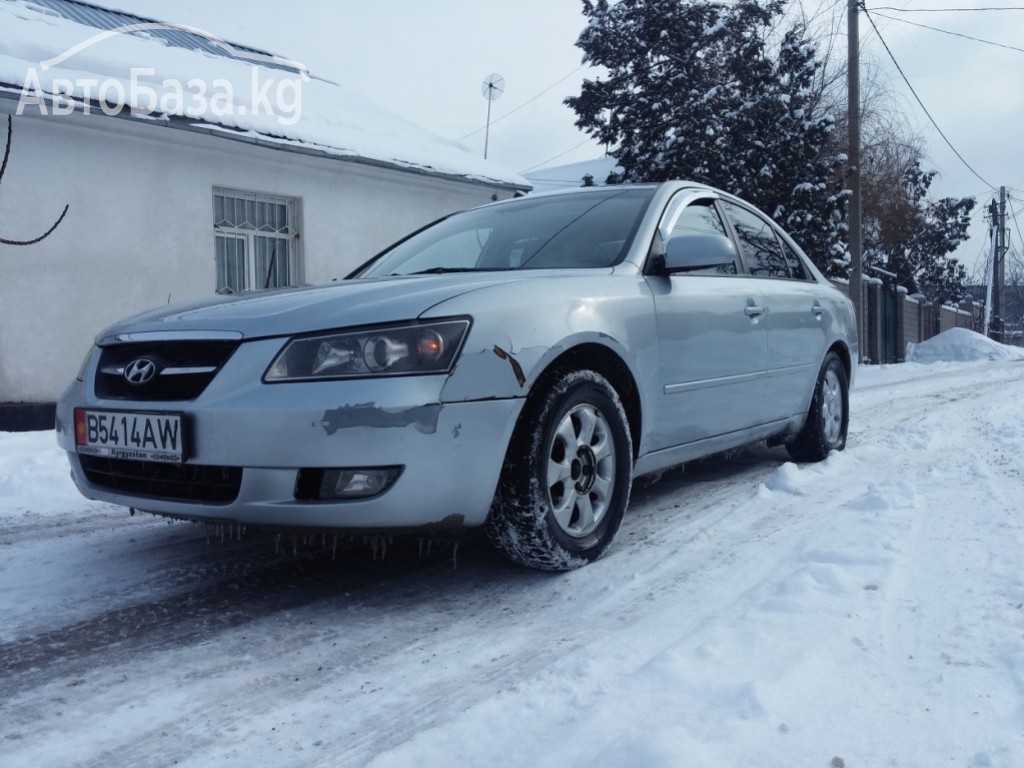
510	346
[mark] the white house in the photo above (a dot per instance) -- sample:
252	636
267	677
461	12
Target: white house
187	165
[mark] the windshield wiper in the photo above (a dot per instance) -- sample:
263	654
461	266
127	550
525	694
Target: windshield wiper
445	270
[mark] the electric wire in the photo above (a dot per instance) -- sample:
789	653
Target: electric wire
566	152
947	32
921	103
949	10
528	101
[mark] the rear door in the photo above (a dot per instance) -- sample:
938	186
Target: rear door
795	318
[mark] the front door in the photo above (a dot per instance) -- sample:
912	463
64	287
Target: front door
712	352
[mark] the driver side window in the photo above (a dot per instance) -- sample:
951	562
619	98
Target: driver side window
701	217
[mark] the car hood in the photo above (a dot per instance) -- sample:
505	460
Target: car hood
300	310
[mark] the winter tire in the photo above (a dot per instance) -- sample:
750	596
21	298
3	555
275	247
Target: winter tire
566	479
828	416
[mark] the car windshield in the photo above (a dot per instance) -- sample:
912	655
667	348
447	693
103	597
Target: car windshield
587	230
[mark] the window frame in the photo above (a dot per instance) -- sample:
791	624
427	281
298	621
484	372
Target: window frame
674	211
252	233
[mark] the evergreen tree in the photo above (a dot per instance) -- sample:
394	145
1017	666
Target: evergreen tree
699	90
912	235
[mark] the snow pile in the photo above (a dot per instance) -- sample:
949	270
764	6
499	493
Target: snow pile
42	53
34	477
962	346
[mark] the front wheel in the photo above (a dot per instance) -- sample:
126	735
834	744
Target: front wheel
828	416
566	479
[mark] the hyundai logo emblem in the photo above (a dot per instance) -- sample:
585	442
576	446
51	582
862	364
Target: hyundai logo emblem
140	371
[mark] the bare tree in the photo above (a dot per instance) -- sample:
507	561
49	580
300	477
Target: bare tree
3	170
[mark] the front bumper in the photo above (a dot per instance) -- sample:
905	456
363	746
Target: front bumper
451	454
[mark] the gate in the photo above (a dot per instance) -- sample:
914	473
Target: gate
889	352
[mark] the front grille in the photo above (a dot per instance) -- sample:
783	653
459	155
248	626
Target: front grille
181	482
183	369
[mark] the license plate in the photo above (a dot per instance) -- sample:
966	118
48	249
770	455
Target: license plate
130	435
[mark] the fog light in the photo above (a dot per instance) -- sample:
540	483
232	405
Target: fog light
350	483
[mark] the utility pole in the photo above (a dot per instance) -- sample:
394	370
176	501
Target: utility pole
990	281
998	264
853	99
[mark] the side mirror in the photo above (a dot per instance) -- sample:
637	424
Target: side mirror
698	251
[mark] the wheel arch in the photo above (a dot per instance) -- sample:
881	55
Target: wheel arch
843	353
605	361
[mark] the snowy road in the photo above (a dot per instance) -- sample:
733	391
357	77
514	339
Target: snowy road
752	612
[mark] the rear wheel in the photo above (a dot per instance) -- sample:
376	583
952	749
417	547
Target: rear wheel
828	417
566	479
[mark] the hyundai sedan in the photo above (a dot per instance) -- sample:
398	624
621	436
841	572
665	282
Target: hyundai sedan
511	367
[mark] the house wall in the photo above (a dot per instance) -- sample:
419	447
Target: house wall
139	230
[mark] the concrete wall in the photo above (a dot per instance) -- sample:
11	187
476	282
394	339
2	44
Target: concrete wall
952	317
139	230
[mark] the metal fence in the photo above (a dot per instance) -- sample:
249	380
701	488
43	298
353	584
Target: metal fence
891	319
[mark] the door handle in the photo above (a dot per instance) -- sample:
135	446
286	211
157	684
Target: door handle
753	310
818	310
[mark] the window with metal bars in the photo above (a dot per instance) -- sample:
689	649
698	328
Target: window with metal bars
256	241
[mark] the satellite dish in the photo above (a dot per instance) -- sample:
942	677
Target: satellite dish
492	87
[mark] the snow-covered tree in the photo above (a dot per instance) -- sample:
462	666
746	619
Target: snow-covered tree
716	93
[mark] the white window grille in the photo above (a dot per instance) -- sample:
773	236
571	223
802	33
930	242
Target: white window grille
256	241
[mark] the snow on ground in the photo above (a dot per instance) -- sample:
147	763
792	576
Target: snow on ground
865	611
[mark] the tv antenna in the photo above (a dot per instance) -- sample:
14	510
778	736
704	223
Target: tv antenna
492	87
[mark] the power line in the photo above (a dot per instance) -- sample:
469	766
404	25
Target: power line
947	32
566	152
948	10
528	101
921	103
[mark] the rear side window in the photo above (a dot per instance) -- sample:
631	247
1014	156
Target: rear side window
796	264
759	244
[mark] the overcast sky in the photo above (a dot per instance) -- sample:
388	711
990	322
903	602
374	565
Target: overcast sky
427	60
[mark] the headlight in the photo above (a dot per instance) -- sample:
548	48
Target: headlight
409	349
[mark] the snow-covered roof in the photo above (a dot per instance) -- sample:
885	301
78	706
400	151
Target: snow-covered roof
571	174
63	55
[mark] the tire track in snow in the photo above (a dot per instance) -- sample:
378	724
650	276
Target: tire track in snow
193	616
34	528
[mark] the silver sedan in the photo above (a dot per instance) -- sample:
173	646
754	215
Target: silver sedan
513	366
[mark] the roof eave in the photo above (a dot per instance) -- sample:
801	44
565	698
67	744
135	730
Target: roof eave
12	92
